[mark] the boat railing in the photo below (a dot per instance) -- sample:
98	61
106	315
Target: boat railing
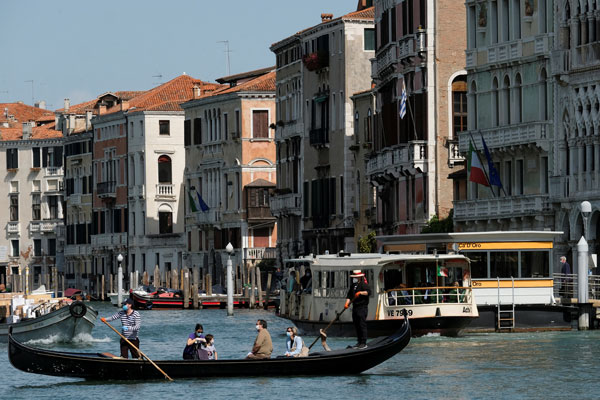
565	286
428	295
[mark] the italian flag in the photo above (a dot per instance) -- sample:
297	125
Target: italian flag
442	271
475	168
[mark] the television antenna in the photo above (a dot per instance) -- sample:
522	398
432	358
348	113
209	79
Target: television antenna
159	76
227	52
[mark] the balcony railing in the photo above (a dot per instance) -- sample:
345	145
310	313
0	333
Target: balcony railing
384	59
48	226
13	227
261	213
208	217
106	189
392	160
282	203
165	190
74	199
34	226
260	253
505	52
454	156
318	137
508	136
501	207
109	239
54	171
471	58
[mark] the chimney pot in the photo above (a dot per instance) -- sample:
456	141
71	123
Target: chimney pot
67	104
325	17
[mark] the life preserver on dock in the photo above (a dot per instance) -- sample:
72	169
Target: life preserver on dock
77	309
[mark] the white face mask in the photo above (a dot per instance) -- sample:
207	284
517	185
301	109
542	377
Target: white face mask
355	280
258	327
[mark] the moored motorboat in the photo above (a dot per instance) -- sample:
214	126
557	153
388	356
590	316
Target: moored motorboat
64	324
103	366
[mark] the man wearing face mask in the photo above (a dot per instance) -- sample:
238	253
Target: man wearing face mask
306	281
263	346
130	326
358	295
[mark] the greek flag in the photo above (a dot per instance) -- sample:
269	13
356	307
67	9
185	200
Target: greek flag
402	111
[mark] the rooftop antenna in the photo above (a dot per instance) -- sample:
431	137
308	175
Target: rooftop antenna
227	51
159	76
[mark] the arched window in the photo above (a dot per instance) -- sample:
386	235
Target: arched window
543	96
506	101
165	219
164	169
518	99
495	103
459	105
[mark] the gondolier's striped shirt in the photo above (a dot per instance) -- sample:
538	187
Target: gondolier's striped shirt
133	321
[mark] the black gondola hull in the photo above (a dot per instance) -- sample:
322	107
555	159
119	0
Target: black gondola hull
94	366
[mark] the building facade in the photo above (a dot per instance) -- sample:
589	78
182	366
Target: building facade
511	109
31	162
419	47
230	173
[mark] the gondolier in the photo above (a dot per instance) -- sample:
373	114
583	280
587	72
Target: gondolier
358	295
130	326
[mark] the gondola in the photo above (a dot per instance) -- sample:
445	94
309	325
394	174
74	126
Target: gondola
103	366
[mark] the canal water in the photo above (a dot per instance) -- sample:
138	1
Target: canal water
548	365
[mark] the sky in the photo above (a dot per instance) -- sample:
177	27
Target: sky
79	49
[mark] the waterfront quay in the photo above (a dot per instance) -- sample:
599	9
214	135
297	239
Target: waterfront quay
548	365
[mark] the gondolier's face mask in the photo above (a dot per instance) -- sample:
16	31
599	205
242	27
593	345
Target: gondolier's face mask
354	280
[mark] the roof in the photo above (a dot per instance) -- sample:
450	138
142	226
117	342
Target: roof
22	113
362	260
260	183
264	83
37	132
366	14
245	75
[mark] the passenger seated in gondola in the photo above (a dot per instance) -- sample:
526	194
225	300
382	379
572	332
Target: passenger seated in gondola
207	349
194	340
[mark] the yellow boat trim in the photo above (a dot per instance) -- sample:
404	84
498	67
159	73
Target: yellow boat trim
518	283
504	245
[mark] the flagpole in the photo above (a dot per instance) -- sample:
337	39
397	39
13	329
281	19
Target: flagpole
501	186
482	167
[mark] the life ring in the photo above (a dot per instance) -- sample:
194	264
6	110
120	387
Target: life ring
77	309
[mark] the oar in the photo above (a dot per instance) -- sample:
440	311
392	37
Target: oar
322	334
139	351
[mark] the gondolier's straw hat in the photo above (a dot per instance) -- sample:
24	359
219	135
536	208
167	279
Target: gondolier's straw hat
356	273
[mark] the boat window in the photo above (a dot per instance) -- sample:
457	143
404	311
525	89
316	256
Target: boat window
535	264
478	264
504	264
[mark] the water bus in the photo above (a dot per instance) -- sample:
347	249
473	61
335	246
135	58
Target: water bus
433	289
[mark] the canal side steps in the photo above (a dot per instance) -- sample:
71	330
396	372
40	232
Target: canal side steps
506	312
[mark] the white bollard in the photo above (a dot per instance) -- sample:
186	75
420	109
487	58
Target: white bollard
582	283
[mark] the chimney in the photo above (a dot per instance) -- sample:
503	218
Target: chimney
88	120
326	17
41	105
67	105
197	92
6	112
124	105
101	109
27	128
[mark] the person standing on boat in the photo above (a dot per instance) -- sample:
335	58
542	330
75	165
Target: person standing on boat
358	295
130	326
263	346
565	270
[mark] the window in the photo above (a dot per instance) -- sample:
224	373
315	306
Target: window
503	264
535	264
519	177
197	131
260	123
226	125
52	247
187	132
164	169
14	248
369	39
508	177
35	207
12	159
238	123
165	221
518	90
36	157
53	207
37	247
164	127
14	207
459	105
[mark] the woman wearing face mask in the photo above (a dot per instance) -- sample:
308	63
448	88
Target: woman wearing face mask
191	349
358	295
293	343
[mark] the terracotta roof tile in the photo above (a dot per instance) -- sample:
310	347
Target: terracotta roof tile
22	113
264	83
366	14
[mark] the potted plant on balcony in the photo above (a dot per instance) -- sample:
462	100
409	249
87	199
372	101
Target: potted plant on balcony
316	60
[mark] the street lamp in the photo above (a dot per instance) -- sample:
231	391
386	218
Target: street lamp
120	280
229	249
582	269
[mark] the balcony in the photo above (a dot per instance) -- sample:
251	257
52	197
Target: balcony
48	226
137	192
506	137
454	156
106	189
74	199
54	171
260	253
165	191
290	203
13	227
77	250
384	59
318	137
34	226
109	240
394	161
471	58
501	207
505	52
210	217
260	213
541	45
